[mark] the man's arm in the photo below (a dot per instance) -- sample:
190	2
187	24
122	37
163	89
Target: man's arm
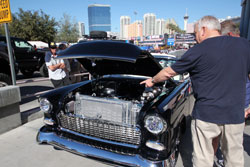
57	66
163	75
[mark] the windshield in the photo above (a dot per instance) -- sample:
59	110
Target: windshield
22	44
165	62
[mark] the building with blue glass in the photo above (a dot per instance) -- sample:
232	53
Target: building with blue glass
99	17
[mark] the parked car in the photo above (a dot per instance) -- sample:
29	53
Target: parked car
5	71
27	57
113	117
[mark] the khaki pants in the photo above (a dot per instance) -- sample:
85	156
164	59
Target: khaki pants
231	140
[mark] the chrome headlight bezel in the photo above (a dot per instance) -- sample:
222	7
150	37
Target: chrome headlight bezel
155	124
45	105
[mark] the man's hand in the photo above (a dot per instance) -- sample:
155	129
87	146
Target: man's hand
247	112
57	66
62	65
148	83
163	75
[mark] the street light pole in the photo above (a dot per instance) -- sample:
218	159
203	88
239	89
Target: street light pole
12	68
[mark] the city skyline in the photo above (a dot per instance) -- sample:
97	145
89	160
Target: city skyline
162	9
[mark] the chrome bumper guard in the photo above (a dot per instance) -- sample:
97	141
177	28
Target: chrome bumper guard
46	136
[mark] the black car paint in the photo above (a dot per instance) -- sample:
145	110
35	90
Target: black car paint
169	105
58	96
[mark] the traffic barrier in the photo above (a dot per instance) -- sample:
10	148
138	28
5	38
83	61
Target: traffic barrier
9	108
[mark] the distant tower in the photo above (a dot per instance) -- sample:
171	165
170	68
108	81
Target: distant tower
81	29
185	21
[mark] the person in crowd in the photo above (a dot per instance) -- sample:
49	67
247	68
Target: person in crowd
56	67
62	47
228	28
75	69
219	91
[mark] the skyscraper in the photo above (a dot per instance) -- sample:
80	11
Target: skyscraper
135	30
185	21
160	24
81	29
149	24
124	22
99	17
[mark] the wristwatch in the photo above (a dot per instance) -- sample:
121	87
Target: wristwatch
153	80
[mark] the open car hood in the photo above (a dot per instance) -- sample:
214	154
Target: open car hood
111	57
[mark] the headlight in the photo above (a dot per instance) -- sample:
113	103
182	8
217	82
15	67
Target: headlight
45	105
155	124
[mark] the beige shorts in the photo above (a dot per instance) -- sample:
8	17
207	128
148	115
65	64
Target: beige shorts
231	140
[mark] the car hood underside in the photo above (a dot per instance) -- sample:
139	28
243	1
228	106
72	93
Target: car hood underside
108	57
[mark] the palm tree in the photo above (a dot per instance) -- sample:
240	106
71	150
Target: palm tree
173	28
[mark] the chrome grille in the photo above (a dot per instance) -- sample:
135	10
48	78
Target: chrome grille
101	129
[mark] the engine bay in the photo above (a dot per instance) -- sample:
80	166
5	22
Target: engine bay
128	90
118	100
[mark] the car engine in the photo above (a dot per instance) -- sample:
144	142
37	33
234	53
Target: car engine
118	101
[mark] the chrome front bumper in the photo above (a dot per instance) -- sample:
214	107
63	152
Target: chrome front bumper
45	136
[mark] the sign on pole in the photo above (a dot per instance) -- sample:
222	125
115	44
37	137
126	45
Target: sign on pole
5	13
5	17
170	41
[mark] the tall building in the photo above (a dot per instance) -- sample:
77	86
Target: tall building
190	28
135	30
149	24
81	29
160	23
185	21
167	29
99	17
124	22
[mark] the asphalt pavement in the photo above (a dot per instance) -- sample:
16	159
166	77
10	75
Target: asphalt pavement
20	149
30	89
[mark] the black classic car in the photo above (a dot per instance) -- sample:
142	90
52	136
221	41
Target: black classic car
113	117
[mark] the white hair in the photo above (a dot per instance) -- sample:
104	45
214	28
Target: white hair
211	22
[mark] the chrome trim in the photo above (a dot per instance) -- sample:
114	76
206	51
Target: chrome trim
45	136
49	121
125	76
101	140
155	145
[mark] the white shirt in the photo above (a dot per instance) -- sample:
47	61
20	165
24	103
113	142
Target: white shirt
58	74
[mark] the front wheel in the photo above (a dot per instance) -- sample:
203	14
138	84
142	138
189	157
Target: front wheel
44	70
5	80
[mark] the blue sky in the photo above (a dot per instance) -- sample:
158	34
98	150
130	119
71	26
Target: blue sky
78	9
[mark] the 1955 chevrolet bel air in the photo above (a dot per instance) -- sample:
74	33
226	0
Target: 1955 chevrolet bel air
112	117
